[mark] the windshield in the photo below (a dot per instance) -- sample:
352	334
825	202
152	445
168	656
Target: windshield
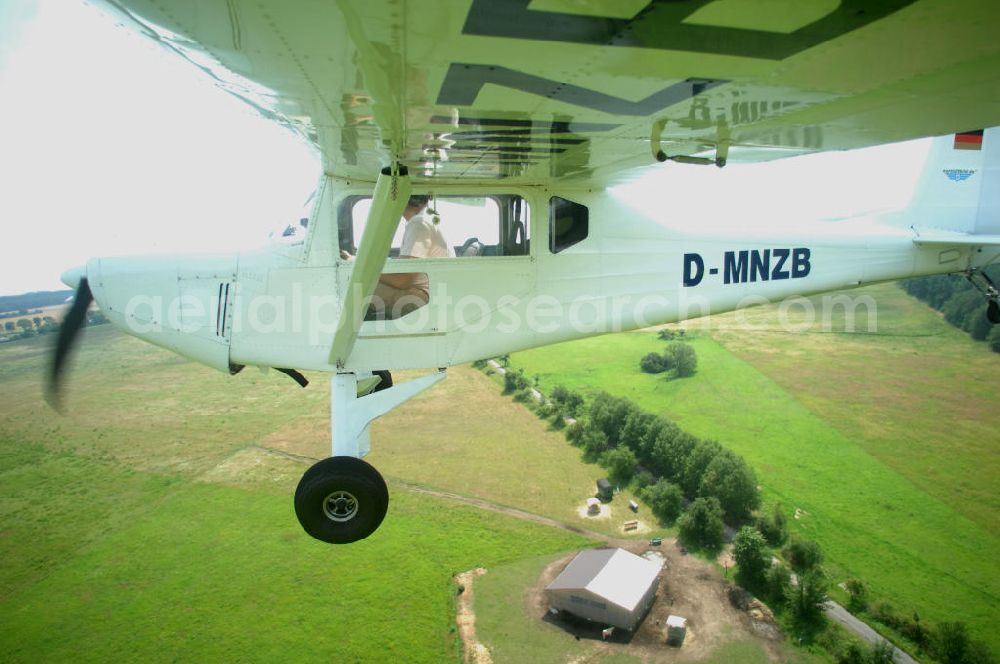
293	232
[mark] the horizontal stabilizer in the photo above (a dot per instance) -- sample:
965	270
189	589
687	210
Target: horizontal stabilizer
943	238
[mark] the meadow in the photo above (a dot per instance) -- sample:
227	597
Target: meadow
884	441
150	524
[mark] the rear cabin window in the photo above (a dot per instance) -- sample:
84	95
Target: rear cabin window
568	224
473	226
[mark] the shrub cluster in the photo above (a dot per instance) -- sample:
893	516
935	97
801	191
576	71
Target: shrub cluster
947	642
678	357
804	600
514	381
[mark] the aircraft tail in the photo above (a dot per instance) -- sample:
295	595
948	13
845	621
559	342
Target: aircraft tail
959	189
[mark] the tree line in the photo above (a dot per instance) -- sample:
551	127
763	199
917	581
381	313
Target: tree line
17	303
702	486
24	328
961	303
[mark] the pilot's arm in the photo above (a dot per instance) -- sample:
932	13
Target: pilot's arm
412	246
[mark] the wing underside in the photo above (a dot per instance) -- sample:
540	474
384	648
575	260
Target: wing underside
537	90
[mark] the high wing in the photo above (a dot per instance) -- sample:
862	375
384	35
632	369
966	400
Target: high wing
536	90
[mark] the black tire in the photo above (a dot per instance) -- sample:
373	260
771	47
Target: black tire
341	499
386	381
993	312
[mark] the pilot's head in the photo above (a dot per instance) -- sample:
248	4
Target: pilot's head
415	205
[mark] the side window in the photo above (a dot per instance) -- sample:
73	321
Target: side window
471	225
568	223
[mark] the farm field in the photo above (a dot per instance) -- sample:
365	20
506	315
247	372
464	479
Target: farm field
150	525
885	441
154	522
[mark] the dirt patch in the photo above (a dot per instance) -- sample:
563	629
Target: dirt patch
688	587
256	466
602	515
640	528
473	652
308	436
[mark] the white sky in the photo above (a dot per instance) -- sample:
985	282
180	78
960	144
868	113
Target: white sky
110	146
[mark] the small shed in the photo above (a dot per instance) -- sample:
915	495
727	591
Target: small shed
676	630
606	586
604	489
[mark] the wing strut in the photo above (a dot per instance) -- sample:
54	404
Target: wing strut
392	190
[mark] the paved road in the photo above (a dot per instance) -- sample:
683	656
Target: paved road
841	615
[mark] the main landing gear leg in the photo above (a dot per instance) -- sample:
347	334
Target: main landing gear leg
343	499
981	281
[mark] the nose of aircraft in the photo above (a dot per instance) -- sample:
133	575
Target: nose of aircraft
72	276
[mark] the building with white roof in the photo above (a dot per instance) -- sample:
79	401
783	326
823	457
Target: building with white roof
606	586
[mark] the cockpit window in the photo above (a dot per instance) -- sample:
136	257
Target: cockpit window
472	225
568	224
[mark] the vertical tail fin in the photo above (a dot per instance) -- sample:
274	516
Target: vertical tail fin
959	189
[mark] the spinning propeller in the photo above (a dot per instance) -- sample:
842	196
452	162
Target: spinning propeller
72	323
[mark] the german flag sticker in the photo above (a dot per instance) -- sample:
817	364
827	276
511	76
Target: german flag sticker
969	140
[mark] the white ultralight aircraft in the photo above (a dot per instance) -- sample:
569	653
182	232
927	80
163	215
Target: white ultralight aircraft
514	117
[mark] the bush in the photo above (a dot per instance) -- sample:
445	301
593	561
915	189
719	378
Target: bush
774	528
653	363
881	653
594	443
855	653
701	525
620	463
609	414
805	600
752	556
514	381
665	500
733	482
644	479
777	581
545	410
524	395
858	591
479	364
696	463
670	453
803	555
569	402
683	359
637	425
952	645
574	433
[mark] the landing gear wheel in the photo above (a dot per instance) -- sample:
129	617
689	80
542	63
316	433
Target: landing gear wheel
386	382
993	312
341	499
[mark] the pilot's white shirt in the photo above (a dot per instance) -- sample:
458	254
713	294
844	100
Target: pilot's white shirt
422	238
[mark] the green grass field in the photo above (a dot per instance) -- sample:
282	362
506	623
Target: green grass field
148	526
886	441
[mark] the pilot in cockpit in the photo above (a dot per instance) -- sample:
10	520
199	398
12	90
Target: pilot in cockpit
398	294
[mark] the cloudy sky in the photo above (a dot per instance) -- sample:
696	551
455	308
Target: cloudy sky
110	146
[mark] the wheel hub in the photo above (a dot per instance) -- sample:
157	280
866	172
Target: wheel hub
340	506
